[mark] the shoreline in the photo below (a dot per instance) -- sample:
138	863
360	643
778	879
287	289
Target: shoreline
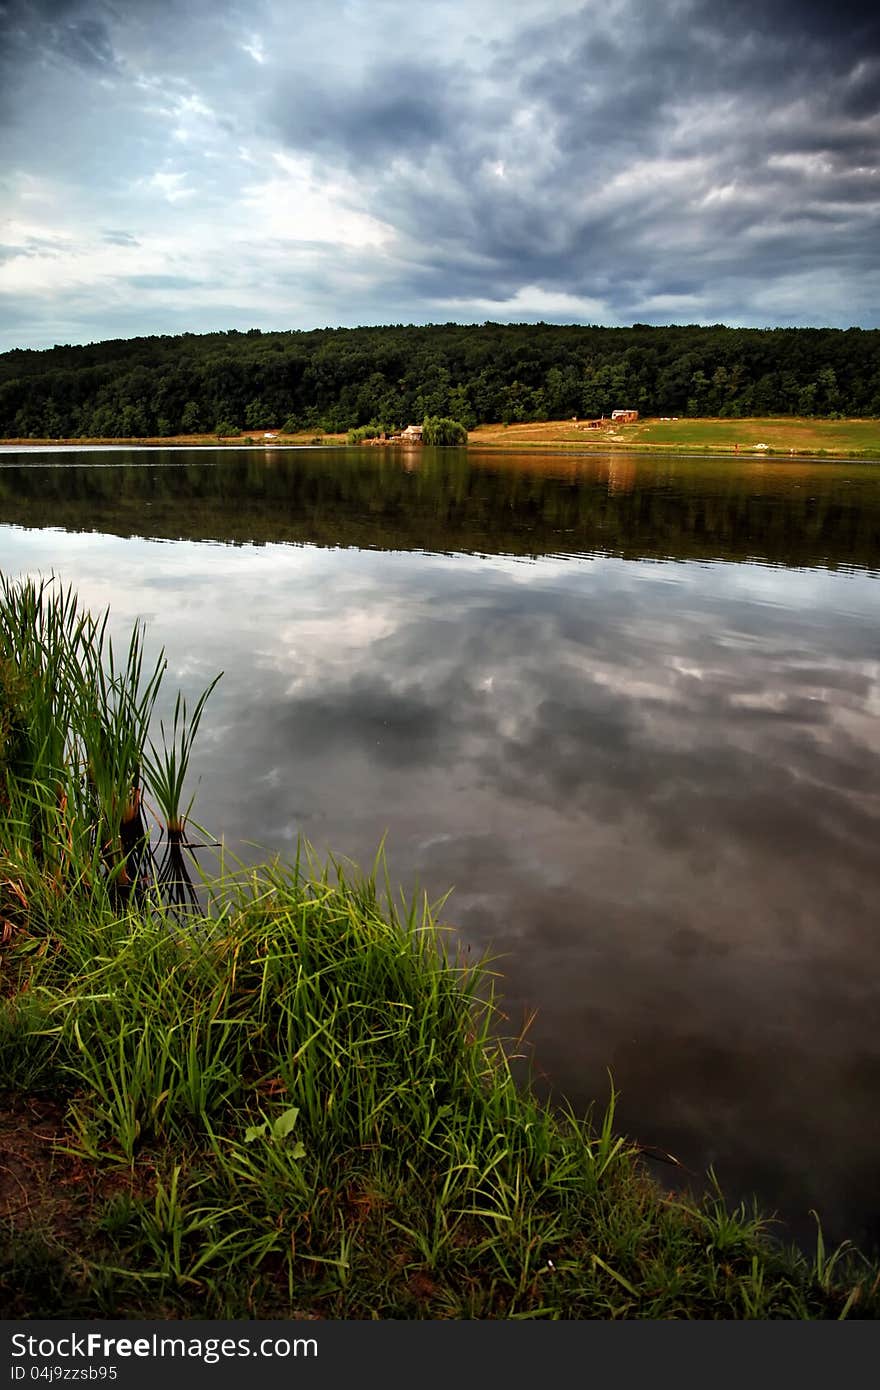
564	450
776	437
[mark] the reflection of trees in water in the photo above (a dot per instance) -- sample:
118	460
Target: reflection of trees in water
515	504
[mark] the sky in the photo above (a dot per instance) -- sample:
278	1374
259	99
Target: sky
169	167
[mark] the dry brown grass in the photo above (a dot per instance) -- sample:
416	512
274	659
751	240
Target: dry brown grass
782	434
198	441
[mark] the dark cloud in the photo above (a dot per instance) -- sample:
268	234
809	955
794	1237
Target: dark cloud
77	31
678	161
583	157
852	25
732	87
86	41
370	122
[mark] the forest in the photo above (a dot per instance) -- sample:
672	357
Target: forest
338	379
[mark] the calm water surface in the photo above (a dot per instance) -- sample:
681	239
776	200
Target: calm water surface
628	709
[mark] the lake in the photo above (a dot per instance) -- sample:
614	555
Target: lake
627	708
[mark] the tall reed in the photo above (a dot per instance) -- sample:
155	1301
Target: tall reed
166	769
77	760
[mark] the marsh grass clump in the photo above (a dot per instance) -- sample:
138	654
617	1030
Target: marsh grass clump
77	766
166	768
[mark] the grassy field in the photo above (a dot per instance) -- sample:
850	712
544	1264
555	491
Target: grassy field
782	435
288	1098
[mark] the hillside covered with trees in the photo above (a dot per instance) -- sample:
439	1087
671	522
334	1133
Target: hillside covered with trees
339	379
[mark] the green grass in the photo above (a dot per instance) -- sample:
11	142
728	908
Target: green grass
303	1106
782	434
296	1103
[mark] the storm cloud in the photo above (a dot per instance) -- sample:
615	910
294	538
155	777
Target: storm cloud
343	163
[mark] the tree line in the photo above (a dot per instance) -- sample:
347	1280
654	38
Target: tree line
341	379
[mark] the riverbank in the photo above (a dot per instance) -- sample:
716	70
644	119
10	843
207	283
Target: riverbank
290	1099
773	436
297	1108
181	441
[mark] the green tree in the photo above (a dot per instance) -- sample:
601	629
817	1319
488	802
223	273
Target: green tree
133	423
604	389
515	403
439	429
829	392
460	406
191	421
474	373
806	402
257	416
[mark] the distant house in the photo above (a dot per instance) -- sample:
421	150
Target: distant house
413	434
624	417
